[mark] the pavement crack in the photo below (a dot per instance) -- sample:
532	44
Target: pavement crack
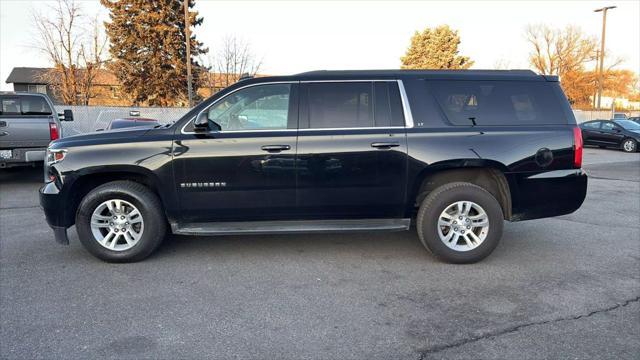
20	207
493	334
607	178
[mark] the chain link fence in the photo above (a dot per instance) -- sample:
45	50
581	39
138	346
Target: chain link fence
88	119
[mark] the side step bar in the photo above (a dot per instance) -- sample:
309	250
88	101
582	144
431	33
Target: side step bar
293	226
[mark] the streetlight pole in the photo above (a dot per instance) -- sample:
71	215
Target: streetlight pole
601	73
187	32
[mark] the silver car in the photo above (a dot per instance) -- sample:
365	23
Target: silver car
28	123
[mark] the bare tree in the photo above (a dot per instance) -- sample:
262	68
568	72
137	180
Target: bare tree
556	52
75	60
235	59
502	64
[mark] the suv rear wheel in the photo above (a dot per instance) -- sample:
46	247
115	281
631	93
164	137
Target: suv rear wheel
121	221
460	222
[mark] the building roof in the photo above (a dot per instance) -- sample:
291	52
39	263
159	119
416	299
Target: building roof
30	75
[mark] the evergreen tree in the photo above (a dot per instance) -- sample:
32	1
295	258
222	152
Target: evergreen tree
148	50
435	49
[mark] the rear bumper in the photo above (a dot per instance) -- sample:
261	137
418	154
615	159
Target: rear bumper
23	156
547	194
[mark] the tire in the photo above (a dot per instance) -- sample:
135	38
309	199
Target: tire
629	145
144	232
478	201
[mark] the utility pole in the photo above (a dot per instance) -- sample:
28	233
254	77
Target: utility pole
601	71
187	32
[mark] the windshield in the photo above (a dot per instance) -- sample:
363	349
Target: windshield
628	124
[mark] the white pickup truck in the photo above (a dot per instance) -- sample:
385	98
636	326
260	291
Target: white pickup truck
28	123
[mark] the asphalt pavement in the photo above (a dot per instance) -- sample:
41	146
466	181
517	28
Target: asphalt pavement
566	287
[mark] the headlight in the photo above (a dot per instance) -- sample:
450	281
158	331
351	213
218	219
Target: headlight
55	155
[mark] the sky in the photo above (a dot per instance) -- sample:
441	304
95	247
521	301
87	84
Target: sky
293	37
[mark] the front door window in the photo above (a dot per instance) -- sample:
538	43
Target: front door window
264	107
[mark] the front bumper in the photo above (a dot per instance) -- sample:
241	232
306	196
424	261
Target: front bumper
54	207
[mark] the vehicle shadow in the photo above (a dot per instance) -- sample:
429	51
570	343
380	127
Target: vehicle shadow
23	174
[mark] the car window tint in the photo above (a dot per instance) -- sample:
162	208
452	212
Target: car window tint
25	105
608	126
340	105
35	105
498	102
11	106
592	125
382	109
261	107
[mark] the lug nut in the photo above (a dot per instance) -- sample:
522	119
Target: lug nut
110	224
462	231
459	217
116	230
123	229
115	218
122	217
455	229
454	222
468	227
126	223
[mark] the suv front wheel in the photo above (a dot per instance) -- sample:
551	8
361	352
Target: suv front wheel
121	221
460	222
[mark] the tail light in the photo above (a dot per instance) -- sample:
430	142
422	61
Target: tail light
577	147
54	134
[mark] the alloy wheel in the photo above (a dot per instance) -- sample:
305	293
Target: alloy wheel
463	226
117	225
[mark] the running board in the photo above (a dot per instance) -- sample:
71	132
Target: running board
293	226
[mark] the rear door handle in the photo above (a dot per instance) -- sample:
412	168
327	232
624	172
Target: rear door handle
385	145
275	148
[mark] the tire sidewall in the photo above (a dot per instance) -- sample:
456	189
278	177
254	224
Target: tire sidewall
154	225
440	200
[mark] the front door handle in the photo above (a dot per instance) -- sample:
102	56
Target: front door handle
385	145
275	148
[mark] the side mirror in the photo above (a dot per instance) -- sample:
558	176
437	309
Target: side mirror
202	123
67	115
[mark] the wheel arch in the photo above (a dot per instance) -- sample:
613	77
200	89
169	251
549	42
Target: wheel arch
488	174
91	178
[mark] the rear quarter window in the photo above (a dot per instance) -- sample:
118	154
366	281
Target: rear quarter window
467	103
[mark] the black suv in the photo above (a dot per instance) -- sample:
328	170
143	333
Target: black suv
455	152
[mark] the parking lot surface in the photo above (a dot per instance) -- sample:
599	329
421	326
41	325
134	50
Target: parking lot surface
566	287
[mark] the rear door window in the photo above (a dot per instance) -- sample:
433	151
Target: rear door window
497	102
340	105
24	105
592	125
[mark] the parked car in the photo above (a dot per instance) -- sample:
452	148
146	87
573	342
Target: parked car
28	123
619	116
455	152
619	134
635	119
130	122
